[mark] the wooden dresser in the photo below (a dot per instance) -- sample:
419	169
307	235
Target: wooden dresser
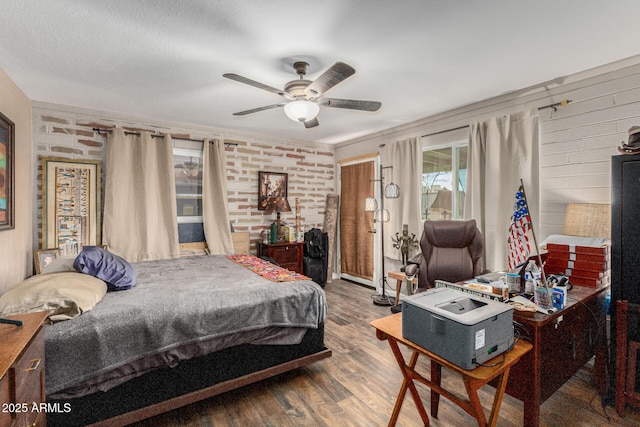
288	255
22	381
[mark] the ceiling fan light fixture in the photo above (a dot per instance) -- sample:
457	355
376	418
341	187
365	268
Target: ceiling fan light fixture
301	110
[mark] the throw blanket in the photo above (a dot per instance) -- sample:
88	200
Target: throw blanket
175	302
266	269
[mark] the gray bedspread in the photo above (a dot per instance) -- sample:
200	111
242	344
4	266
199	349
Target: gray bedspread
175	303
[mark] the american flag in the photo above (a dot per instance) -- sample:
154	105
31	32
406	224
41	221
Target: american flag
520	224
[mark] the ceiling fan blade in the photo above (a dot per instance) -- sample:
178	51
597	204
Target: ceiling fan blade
352	104
255	110
311	123
334	75
254	83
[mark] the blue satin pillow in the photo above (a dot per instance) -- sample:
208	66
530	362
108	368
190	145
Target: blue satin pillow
114	270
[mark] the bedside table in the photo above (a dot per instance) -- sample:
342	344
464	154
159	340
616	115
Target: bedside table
22	382
288	255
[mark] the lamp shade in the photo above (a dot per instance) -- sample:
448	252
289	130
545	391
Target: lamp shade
301	110
392	191
370	204
277	204
442	201
382	215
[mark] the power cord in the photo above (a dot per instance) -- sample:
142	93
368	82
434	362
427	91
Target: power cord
516	338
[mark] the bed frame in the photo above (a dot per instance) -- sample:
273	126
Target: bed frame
166	389
192	380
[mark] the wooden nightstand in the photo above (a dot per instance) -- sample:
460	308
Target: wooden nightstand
288	255
22	381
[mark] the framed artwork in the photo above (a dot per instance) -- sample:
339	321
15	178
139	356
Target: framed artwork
271	184
44	257
70	202
7	173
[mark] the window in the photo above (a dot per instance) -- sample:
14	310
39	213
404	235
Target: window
188	174
444	175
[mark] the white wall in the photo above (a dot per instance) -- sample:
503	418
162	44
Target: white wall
577	141
15	245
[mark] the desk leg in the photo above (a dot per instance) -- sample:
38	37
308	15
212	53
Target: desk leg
600	371
406	383
476	406
436	378
398	289
532	396
477	412
497	400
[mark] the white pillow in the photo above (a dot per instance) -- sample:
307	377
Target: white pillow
65	295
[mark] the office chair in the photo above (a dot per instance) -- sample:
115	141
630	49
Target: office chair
451	251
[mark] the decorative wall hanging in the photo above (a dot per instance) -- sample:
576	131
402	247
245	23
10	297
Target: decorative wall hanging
7	172
330	227
271	184
70	202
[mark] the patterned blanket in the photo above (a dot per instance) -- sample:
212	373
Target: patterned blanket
266	269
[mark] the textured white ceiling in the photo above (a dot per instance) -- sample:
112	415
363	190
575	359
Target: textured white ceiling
164	59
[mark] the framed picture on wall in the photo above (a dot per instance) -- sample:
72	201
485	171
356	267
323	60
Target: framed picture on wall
271	184
7	173
44	257
70	202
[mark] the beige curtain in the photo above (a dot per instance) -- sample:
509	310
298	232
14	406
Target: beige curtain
215	211
502	150
140	219
406	158
356	239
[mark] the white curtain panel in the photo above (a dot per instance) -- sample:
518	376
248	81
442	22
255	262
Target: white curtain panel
502	150
140	219
406	158
215	211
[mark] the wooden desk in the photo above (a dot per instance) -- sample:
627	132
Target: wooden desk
390	328
562	344
400	276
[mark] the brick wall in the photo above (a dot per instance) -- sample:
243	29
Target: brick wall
67	132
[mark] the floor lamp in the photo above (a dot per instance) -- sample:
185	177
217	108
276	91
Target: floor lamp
391	191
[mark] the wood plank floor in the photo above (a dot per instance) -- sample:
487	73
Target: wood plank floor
357	386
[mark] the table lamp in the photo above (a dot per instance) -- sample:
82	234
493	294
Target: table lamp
277	204
442	202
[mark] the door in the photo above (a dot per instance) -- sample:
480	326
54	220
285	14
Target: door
356	224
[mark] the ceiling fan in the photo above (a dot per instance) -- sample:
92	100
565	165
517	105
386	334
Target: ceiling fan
304	97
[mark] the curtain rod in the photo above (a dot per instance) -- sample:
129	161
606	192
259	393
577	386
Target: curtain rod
98	130
555	106
445	131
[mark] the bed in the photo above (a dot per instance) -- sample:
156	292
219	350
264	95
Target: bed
189	329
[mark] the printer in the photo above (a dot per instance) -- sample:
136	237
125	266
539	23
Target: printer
464	329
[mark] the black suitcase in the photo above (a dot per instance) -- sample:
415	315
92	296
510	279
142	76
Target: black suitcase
316	260
316	268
